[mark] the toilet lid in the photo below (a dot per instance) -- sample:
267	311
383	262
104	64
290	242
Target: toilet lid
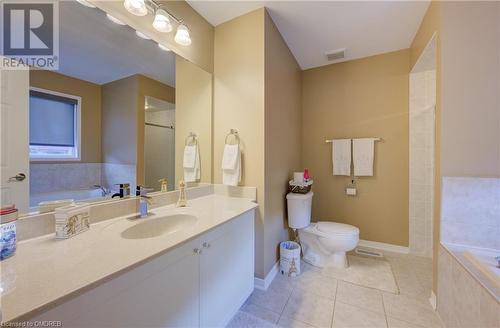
336	228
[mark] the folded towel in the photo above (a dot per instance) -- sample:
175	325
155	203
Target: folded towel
341	157
231	165
193	173
363	154
230	157
190	156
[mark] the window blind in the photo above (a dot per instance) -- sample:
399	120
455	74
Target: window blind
52	120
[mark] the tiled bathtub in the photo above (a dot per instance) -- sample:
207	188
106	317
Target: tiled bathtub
467	296
76	195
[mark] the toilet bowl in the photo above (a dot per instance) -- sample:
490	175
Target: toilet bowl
324	244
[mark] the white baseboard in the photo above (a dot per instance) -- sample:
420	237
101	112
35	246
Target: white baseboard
263	284
384	246
433	301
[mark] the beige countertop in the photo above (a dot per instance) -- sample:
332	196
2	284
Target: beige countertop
45	271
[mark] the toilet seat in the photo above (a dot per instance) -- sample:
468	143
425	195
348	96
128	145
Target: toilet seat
328	229
334	228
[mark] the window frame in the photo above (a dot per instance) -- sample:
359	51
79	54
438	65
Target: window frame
78	128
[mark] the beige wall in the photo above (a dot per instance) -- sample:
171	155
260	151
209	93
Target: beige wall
200	52
468	80
431	25
156	89
90	108
193	113
470	94
239	104
283	89
119	121
360	98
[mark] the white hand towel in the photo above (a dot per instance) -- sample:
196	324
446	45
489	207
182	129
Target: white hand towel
230	157
231	171
363	154
192	174
190	157
341	157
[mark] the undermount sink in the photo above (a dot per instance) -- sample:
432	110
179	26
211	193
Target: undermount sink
155	227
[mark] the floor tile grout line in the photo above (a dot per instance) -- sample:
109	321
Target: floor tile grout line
385	312
334	302
286	303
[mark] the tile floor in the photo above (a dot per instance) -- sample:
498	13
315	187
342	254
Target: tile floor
315	299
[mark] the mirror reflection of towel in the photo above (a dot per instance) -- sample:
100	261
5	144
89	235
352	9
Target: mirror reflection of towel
191	163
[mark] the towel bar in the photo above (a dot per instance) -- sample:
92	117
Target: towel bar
376	139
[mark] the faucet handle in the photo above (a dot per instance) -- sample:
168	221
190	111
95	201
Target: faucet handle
142	191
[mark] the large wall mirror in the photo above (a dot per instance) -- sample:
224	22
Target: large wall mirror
119	110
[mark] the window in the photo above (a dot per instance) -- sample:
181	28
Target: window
54	125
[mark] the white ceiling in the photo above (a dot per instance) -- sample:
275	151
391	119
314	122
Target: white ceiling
94	49
311	28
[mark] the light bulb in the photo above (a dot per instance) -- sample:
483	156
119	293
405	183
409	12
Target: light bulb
182	36
162	47
85	3
115	20
136	7
161	22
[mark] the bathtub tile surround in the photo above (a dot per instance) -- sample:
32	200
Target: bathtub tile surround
463	301
298	302
471	211
114	173
63	176
422	136
51	181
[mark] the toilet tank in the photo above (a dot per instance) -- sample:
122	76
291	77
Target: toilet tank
299	209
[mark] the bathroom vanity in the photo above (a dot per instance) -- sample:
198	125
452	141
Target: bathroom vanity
189	266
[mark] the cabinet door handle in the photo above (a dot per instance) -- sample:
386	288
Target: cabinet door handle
197	251
206	245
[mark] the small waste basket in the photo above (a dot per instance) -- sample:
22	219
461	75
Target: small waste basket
290	258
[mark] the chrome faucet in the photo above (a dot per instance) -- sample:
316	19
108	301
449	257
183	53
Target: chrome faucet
123	192
144	201
104	191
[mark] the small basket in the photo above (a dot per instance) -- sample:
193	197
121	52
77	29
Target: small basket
299	188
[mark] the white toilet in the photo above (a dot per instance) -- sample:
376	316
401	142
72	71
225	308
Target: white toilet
324	244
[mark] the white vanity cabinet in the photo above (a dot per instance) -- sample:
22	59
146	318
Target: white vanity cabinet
201	283
226	270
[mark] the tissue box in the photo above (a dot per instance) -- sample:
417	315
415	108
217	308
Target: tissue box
72	220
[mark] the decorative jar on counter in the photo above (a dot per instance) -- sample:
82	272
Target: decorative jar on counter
8	237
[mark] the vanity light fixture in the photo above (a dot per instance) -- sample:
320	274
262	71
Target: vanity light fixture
85	3
115	20
142	35
136	7
162	47
161	22
182	35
